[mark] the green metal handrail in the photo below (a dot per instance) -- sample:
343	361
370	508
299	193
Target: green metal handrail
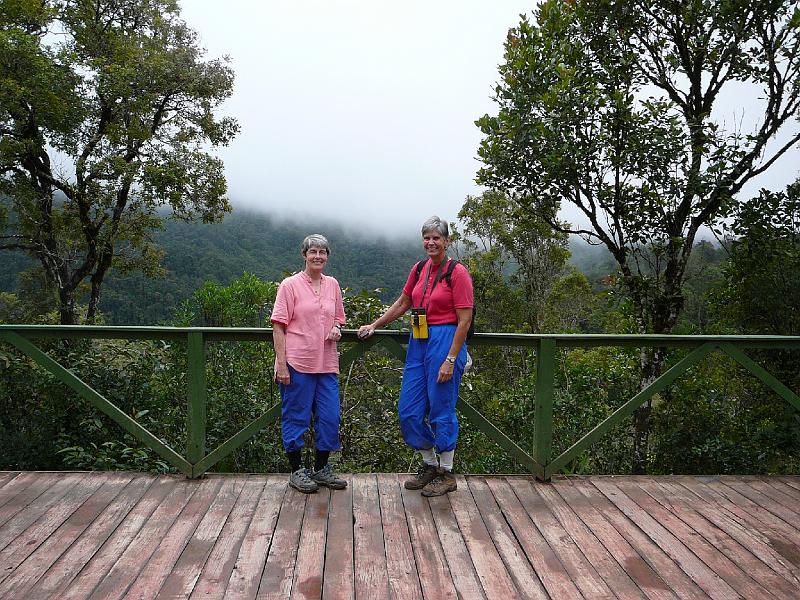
542	464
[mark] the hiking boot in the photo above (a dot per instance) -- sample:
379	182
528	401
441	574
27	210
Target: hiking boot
424	476
443	483
325	476
302	482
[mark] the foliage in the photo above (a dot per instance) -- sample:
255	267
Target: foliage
610	107
122	99
501	239
575	125
761	293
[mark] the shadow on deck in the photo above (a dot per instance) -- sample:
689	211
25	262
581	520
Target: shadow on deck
114	535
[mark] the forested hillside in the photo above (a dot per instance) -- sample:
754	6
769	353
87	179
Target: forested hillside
244	242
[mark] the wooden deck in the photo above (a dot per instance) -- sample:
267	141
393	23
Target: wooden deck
114	535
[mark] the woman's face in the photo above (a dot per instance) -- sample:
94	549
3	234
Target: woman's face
434	244
316	259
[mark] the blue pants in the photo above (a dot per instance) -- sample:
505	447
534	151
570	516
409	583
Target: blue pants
428	409
308	393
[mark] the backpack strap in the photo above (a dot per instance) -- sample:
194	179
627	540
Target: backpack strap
418	270
448	274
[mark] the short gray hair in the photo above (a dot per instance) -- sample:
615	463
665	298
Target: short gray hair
316	240
436	223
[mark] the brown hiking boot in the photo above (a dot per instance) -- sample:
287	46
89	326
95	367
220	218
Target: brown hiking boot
424	476
443	483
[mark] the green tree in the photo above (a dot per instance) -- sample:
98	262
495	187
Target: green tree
610	107
106	113
503	240
761	293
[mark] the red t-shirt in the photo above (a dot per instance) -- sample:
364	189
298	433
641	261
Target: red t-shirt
441	305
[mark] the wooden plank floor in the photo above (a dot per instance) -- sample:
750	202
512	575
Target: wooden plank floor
129	535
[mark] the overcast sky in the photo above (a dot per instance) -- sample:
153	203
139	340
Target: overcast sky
363	110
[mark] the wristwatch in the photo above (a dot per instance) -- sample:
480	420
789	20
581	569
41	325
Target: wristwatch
339	327
451	359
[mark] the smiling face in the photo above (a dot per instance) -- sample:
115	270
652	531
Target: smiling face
435	245
316	258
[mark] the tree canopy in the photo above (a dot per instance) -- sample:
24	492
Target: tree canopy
612	107
107	111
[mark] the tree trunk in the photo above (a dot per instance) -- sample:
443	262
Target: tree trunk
66	306
651	361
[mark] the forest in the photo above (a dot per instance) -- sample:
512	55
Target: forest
606	108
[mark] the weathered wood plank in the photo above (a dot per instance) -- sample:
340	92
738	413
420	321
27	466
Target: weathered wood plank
761	519
6	476
133	558
30	512
255	545
15	488
648	550
746	515
216	572
93	571
400	564
106	535
310	562
752	554
369	555
186	572
73	560
598	556
171	544
462	570
434	576
728	558
639	570
581	571
777	495
38	496
527	583
548	566
339	578
791	481
765	502
783	486
711	583
489	566
24	544
278	575
38	564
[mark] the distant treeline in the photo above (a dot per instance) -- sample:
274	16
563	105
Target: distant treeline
267	247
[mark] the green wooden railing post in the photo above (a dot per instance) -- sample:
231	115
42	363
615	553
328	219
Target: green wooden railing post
543	407
196	399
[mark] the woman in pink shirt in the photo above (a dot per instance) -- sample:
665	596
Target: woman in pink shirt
307	322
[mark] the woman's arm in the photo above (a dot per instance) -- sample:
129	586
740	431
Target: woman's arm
281	372
395	311
464	319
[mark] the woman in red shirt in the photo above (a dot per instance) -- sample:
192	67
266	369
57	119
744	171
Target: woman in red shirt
434	364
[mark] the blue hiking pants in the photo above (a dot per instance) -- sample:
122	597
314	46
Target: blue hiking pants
428	409
310	394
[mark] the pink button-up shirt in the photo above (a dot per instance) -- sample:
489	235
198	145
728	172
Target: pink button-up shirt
308	319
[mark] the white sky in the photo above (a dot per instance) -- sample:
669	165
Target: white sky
363	111
359	110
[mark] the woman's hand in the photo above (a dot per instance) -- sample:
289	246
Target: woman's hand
365	331
445	372
282	373
335	334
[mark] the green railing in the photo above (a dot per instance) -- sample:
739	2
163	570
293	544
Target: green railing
542	464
